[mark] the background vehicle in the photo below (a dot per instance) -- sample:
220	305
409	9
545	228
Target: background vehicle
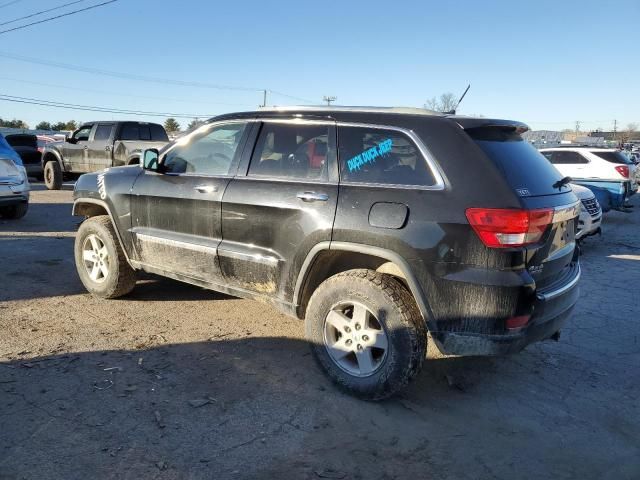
372	224
14	184
607	172
98	145
590	220
27	147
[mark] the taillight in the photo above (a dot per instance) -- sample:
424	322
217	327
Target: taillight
502	228
623	170
514	323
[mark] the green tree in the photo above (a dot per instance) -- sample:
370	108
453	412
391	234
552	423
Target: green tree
13	123
43	126
171	125
71	125
58	126
195	123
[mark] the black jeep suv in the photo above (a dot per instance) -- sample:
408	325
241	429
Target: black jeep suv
375	225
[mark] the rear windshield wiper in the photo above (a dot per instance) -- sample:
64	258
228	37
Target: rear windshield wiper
562	182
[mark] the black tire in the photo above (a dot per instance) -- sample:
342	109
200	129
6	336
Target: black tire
393	308
121	278
52	175
14	212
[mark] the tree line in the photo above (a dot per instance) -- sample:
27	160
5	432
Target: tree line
58	126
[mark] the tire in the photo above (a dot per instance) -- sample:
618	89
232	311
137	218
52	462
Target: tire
112	278
392	328
14	212
52	175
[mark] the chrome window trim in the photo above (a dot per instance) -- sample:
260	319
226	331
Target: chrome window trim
434	168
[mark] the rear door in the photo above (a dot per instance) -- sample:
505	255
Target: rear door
535	181
176	215
281	204
99	151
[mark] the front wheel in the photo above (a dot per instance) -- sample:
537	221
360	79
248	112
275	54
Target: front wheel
14	212
100	261
366	333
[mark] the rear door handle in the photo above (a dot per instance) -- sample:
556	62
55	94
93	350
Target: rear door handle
205	188
312	197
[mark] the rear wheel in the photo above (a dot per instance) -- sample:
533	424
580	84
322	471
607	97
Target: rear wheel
53	175
15	212
366	332
100	261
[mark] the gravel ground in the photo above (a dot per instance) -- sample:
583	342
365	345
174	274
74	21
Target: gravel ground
174	381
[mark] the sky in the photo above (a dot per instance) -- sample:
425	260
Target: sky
547	63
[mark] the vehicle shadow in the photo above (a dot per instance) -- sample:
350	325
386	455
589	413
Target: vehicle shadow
260	408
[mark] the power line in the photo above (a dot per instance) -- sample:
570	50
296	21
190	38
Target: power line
90	108
41	12
9	3
58	16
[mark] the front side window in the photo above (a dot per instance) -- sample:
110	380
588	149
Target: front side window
613	157
209	151
371	155
291	151
103	132
82	135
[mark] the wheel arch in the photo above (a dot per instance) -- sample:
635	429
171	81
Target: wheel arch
91	207
52	156
330	258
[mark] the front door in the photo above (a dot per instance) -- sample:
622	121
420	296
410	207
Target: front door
99	151
281	204
176	214
74	153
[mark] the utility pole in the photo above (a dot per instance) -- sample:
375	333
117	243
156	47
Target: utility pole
329	99
615	129
577	128
264	98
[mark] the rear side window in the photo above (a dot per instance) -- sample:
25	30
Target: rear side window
157	133
103	132
613	157
371	155
130	131
291	151
565	157
527	171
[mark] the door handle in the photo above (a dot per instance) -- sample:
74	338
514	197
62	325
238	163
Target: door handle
86	147
205	188
312	197
107	148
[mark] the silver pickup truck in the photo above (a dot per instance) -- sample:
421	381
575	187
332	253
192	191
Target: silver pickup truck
98	145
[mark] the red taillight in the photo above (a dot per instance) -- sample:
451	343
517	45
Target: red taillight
502	228
517	322
623	170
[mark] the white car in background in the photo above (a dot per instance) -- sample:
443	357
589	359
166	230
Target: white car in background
590	219
606	170
14	185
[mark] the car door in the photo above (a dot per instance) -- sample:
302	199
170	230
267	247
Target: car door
176	214
281	204
74	152
99	148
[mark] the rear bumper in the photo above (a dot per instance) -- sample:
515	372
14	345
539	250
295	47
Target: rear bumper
552	308
6	201
33	169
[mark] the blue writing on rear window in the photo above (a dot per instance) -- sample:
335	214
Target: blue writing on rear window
370	155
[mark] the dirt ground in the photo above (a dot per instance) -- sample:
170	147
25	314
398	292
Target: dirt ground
176	382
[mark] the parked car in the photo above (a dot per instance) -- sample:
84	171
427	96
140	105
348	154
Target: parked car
14	184
590	219
98	145
399	222
605	171
27	147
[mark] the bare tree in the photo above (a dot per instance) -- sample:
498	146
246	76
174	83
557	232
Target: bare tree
446	103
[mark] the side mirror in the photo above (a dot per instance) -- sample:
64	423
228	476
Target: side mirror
150	160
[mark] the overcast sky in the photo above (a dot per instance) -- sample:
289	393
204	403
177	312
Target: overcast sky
548	63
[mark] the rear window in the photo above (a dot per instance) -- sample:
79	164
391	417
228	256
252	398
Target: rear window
526	170
22	140
613	157
143	131
158	134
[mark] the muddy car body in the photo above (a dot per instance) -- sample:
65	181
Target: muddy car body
390	222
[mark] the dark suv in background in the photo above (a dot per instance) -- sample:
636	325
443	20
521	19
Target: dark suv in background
375	225
98	145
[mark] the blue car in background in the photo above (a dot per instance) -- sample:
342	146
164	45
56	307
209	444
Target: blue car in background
14	185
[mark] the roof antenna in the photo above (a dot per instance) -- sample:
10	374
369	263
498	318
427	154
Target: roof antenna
453	112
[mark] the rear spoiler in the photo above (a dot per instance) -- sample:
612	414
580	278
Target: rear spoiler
467	123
